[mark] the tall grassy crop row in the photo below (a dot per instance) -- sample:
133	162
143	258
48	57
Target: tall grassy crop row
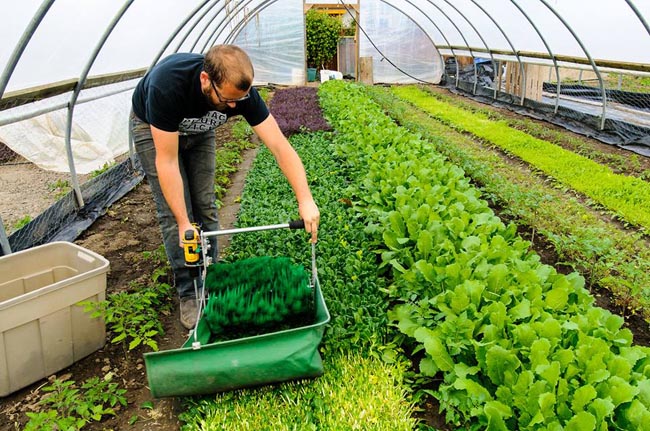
506	342
358	390
629	163
627	197
609	256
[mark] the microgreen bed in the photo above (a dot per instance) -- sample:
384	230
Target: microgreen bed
358	390
608	255
506	341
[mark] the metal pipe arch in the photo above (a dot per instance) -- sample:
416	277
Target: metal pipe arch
193	26
548	48
208	39
220	27
33	25
75	94
521	66
480	37
637	13
416	23
591	60
6	76
430	38
432	3
177	31
248	18
157	57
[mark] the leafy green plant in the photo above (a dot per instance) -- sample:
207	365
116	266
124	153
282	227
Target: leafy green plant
60	188
322	36
22	222
348	276
70	407
508	342
570	141
133	317
627	197
104	168
577	233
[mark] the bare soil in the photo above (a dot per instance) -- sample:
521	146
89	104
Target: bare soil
128	229
122	235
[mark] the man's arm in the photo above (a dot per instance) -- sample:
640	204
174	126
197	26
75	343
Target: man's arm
169	177
292	168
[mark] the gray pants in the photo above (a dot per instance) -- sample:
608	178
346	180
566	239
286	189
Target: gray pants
196	158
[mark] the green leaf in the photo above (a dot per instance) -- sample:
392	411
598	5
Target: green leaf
425	244
497	279
135	343
402	315
620	391
434	347
502	365
496	412
426	269
557	298
428	367
525	335
471	242
521	311
638	415
460	299
119	337
582	396
474	390
601	408
397	224
550	373
547	403
390	239
539	352
582	421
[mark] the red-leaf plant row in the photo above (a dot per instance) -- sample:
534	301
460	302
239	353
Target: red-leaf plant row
296	109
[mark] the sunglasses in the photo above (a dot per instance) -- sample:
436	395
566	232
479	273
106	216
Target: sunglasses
241	99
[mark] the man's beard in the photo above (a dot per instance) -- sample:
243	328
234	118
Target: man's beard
217	106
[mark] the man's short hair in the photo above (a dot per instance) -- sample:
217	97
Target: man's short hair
229	64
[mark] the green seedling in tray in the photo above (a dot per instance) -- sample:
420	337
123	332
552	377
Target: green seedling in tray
258	294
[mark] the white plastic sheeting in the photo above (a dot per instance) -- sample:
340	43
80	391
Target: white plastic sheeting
401	51
272	33
99	133
404	37
608	29
70	30
275	40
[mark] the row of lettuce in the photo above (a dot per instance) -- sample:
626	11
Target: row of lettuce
610	255
358	389
502	341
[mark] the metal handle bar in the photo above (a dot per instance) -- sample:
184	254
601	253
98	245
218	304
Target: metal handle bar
296	224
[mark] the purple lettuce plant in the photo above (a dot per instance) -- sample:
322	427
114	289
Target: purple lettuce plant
296	109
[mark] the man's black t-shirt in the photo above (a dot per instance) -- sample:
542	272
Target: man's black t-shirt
169	97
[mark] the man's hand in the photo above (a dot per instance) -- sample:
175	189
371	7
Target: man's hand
181	232
311	216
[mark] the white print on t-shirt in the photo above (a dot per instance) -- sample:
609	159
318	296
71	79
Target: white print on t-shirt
210	121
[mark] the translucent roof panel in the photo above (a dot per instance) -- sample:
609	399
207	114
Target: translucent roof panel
138	33
401	50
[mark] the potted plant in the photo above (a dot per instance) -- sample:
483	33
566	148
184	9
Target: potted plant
322	35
